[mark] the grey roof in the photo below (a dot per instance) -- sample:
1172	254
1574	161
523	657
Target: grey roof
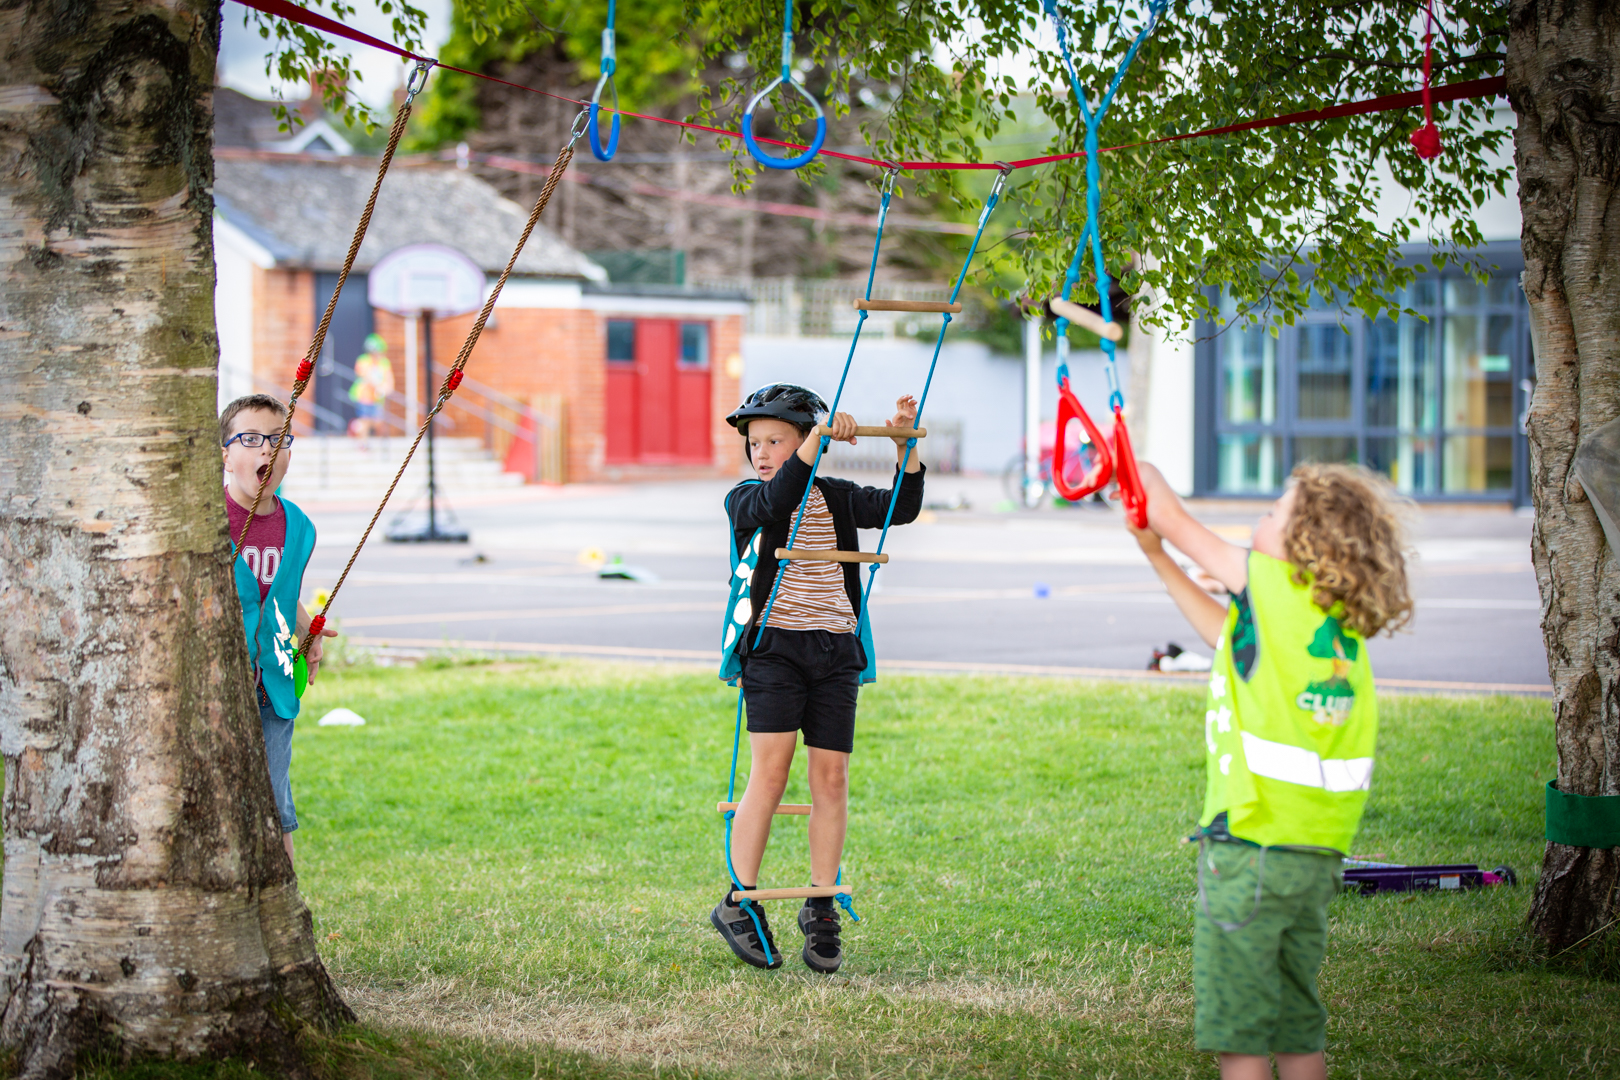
241	121
304	211
684	292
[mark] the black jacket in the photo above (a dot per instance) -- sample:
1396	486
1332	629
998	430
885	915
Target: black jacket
770	506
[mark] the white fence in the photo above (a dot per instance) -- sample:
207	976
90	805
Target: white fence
796	307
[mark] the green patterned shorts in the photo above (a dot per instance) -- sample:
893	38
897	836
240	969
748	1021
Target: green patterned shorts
1255	987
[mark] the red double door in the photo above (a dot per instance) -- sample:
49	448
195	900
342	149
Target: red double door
658	393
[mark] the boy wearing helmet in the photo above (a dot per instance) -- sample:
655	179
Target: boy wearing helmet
805	671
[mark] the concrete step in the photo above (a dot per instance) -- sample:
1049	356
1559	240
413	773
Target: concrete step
338	468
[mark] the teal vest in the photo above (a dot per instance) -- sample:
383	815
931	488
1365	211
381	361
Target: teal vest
272	631
739	610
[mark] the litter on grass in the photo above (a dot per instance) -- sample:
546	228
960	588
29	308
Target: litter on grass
341	718
1174	658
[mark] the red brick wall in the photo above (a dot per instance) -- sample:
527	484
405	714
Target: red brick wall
725	351
525	351
283	325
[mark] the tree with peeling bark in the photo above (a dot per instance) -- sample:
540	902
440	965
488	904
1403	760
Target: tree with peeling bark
1563	73
148	902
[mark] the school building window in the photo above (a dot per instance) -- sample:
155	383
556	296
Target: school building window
1437	405
695	344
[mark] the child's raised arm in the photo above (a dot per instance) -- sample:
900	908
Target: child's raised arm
1206	614
1167	517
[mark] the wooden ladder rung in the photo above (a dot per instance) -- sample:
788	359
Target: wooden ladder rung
808	555
783	808
876	432
934	307
1086	319
795	894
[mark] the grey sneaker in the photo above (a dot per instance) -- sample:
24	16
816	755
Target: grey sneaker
823	951
736	924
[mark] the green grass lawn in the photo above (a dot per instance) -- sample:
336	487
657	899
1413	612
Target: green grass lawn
511	869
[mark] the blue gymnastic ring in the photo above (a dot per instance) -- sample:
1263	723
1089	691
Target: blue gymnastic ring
768	160
603	153
593	129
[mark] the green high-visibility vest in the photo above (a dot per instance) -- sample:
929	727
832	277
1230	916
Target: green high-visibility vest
1292	717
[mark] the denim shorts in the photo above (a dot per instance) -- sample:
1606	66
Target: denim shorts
278	735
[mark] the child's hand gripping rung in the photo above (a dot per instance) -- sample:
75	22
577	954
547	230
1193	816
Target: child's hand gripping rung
875	432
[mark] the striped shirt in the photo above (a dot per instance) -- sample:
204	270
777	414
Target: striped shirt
811	595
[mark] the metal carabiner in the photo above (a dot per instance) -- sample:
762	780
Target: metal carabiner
424	64
1001	179
891	173
581	122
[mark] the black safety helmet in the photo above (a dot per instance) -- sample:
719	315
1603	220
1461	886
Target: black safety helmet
779	401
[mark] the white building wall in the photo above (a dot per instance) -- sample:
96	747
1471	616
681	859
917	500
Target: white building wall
235	256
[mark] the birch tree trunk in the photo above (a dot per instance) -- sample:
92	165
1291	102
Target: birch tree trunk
148	903
1563	76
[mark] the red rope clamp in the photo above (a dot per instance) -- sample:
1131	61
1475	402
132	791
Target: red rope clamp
305	369
316	625
1426	139
453	381
1102	464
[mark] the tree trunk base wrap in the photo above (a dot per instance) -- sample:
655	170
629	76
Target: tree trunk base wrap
149	909
1565	90
1582	820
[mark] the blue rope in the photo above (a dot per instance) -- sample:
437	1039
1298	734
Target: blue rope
844	899
922	402
1093	120
731	796
826	441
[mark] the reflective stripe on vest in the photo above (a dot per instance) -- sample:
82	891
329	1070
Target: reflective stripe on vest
1296	765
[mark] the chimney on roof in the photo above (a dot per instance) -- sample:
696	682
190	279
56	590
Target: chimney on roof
314	105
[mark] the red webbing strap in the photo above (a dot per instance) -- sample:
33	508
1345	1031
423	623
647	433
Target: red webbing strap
1494	86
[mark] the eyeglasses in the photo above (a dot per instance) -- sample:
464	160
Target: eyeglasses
254	439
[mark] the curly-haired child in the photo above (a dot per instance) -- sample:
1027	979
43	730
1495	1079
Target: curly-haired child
1289	730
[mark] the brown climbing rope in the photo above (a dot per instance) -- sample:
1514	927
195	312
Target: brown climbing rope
453	379
306	366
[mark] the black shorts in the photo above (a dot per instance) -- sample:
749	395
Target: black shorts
805	680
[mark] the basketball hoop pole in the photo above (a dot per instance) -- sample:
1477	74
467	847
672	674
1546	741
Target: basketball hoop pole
432	534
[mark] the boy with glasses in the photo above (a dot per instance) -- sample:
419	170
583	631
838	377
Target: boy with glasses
271	553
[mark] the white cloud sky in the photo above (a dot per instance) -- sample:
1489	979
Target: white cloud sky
242	52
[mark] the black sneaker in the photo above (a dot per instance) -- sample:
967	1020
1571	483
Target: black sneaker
736	925
823	951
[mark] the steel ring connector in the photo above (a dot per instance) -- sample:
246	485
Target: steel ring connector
810	152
